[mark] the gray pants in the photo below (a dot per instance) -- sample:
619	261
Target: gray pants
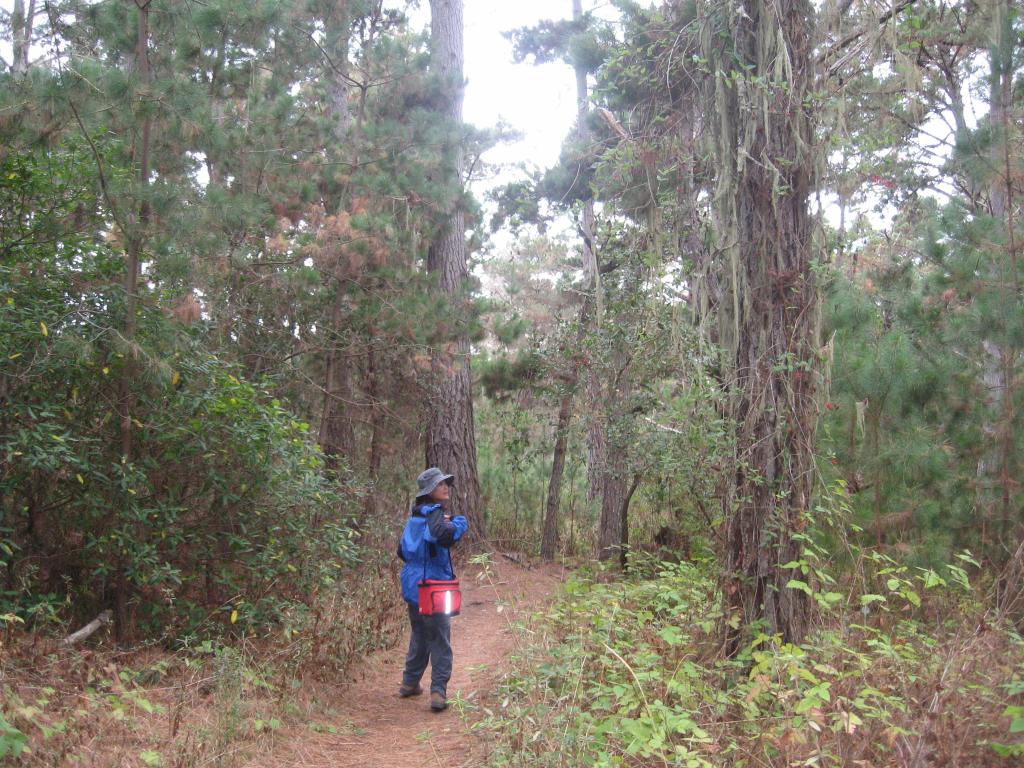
431	640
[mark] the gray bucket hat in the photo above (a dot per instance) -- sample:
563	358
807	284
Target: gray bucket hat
429	479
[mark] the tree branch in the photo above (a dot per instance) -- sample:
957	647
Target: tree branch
88	630
854	36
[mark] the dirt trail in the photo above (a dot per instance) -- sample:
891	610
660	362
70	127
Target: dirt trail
373	727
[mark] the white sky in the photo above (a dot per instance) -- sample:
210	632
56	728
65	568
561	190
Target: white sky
539	101
536	101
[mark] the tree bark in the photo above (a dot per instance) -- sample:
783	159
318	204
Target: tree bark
549	537
606	462
136	238
611	533
135	241
376	426
21	35
451	440
597	439
615	493
591	273
337	435
624	519
339	87
997	468
769	324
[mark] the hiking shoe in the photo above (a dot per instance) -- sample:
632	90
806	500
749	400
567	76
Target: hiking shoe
438	701
405	691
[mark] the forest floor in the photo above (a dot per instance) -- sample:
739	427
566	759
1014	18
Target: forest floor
369	725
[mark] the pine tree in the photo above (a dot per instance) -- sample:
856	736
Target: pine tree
292	209
451	439
337	436
997	471
579	42
763	143
954	294
589	310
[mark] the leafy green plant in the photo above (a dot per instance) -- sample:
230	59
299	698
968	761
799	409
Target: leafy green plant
630	673
12	741
224	519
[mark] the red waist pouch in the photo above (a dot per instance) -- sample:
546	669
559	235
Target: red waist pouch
440	597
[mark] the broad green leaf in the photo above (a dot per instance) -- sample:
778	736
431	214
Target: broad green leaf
931	579
797	584
1016	713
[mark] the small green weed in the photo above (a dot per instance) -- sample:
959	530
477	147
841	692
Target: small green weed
630	673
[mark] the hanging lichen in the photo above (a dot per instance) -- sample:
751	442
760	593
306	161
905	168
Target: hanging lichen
760	130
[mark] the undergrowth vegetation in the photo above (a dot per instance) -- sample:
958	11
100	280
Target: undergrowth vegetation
216	702
224	516
905	668
223	545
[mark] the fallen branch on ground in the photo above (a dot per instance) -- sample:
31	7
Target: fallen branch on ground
88	630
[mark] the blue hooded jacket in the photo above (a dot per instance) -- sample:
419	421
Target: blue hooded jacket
424	547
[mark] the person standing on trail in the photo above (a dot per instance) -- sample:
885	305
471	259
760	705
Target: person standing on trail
428	535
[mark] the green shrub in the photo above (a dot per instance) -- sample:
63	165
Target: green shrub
630	673
222	518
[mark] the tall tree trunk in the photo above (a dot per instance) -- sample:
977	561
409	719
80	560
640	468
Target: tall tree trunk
339	87
611	532
763	141
21	35
136	238
592	287
135	241
997	468
376	425
605	463
451	440
549	536
624	519
615	490
597	439
608	456
591	273
337	436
